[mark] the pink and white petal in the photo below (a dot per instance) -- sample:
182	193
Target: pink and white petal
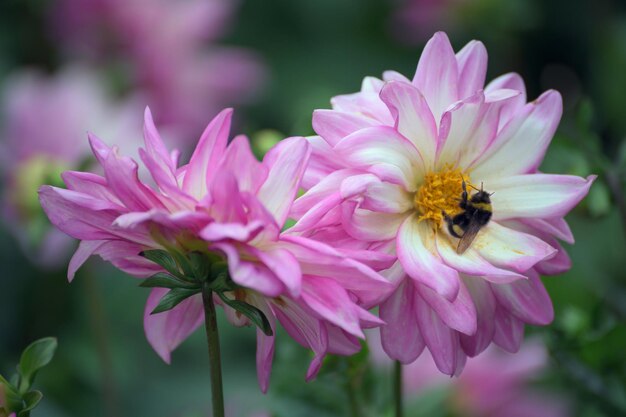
371	84
215	231
470	262
459	314
442	342
264	344
286	163
157	151
370	225
207	155
172	196
250	274
165	331
511	81
327	186
413	118
90	184
227	200
340	342
509	331
126	256
188	220
331	301
556	227
383	151
419	257
511	249
537	195
323	162
366	104
521	145
400	337
472	64
391	75
437	74
333	125
385	197
556	265
284	266
485	303
86	248
241	162
528	300
319	259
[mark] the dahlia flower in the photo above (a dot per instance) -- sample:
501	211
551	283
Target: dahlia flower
45	118
390	164
223	204
493	385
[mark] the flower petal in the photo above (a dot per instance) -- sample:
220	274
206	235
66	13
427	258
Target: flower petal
384	152
286	163
509	331
485	304
86	248
537	195
207	155
528	300
413	118
472	64
418	255
510	81
401	338
370	225
459	314
334	125
241	162
437	74
509	248
165	331
521	145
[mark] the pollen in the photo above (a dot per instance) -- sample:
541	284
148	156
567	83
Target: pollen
440	191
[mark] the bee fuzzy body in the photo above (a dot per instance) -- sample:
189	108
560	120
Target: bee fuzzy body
476	213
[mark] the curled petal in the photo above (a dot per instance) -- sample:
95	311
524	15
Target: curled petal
459	315
528	300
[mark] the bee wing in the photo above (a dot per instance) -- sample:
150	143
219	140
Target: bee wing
468	236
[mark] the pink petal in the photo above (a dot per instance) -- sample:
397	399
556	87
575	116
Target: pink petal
521	145
286	163
382	151
418	255
470	262
528	300
401	338
241	162
509	248
511	81
370	225
380	196
90	184
240	232
556	227
265	344
443	342
207	155
485	304
413	118
437	74
340	342
537	195
227	200
323	162
165	331
509	331
86	248
284	266
334	125
472	64
459	315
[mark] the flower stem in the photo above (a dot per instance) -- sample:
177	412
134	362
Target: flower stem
215	362
397	389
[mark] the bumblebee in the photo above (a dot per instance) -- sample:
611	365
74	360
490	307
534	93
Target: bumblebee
476	214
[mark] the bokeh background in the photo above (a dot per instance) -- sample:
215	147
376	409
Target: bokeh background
68	66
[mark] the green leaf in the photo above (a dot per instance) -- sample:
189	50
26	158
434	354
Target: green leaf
200	265
163	280
173	298
31	399
162	258
35	357
12	397
255	315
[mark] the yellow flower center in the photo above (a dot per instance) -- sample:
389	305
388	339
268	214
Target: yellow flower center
440	191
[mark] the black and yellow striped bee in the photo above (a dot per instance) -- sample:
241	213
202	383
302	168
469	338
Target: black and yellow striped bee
476	214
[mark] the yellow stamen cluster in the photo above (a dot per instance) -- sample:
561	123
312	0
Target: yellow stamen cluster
440	191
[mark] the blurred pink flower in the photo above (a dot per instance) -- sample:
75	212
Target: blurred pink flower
45	120
495	384
389	159
226	202
168	48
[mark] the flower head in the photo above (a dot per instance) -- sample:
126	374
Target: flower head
389	172
227	205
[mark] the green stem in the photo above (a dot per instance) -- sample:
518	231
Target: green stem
215	362
397	389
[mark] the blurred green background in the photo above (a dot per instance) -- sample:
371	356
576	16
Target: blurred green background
312	50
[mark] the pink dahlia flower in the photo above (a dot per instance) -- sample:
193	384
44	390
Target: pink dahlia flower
228	204
45	119
391	159
495	384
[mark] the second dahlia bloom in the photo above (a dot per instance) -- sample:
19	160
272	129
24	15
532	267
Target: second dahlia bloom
224	204
391	159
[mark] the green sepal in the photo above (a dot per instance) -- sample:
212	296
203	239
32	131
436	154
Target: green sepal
164	259
200	265
37	355
255	315
31	400
173	298
164	280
